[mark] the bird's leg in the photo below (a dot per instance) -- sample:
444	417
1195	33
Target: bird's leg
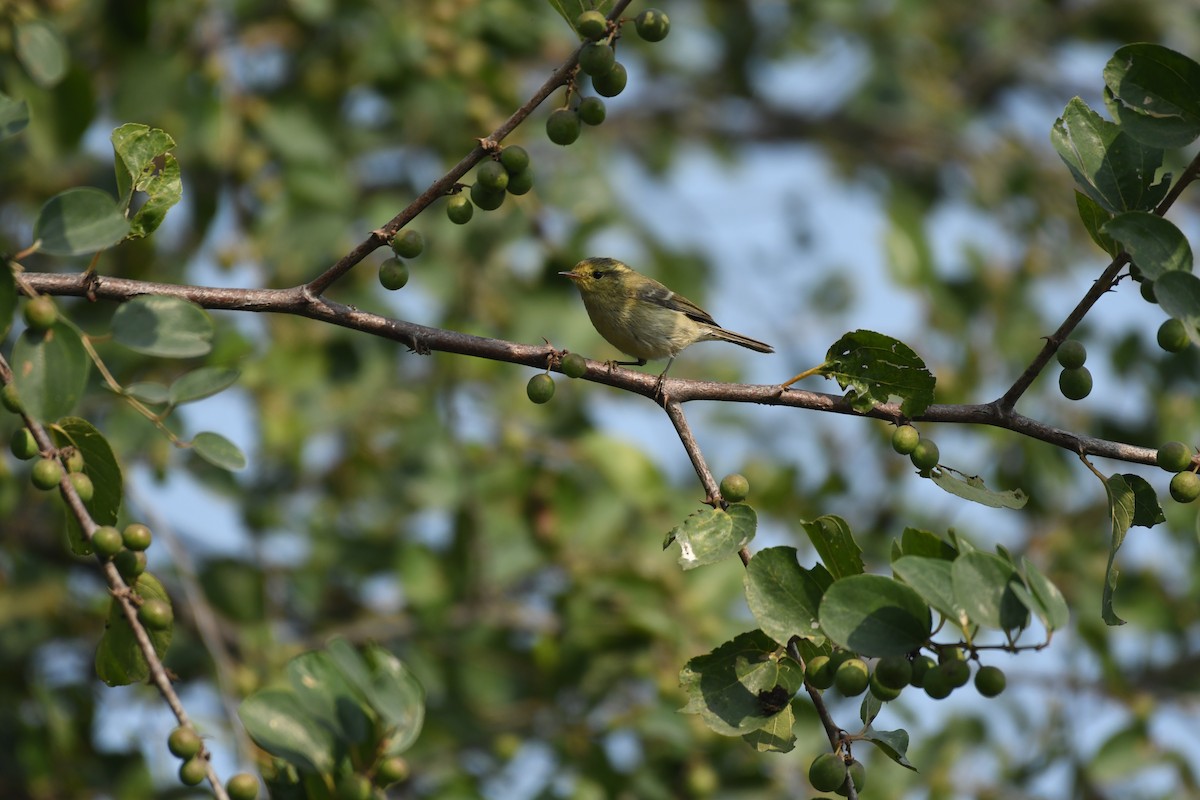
659	394
641	362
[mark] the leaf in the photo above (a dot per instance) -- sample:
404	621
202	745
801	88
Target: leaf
144	163
397	697
974	489
1108	165
1121	505
711	535
157	325
874	615
219	451
119	659
932	578
79	221
277	722
147	392
1094	217
723	687
50	370
1179	295
1055	614
776	736
917	542
831	537
983	588
328	698
869	708
201	383
783	596
1154	244
1151	91
1146	511
14	116
101	466
8	300
893	744
874	368
41	52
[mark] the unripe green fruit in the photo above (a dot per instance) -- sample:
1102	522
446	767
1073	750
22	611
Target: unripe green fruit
936	683
191	772
23	445
40	313
591	24
882	692
391	770
592	111
1185	487
393	274
858	776
597	59
106	541
1174	456
242	786
562	126
485	198
852	677
819	672
9	398
925	455
1147	290
514	159
354	787
47	472
827	772
520	182
183	742
947	654
1075	384
574	365
156	614
613	83
990	681
1071	354
130	564
136	536
957	672
409	243
492	175
460	209
894	672
1172	336
652	25
74	461
920	666
540	388
735	488
905	439
83	486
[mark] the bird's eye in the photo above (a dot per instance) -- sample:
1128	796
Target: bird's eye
597	274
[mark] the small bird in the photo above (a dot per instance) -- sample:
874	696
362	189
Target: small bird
642	318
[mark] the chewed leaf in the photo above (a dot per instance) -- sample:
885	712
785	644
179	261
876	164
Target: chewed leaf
713	534
874	368
974	489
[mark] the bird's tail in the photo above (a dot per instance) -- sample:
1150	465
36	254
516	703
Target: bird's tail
744	341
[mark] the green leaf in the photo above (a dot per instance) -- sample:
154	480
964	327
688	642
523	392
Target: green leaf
1154	244
219	451
776	736
157	325
874	368
1121	505
1151	91
874	615
917	542
1049	598
1146	511
974	489
711	535
14	116
201	383
932	578
783	596
50	370
328	697
893	744
101	466
277	722
869	708
119	659
723	686
388	687
8	300
79	221
1108	165
143	163
148	392
41	52
1179	295
983	588
1094	217
831	537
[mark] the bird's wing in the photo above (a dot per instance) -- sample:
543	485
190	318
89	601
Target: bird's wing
655	292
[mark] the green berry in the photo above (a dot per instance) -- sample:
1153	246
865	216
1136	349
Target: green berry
183	742
652	25
192	772
574	365
485	198
408	243
460	209
492	175
106	541
735	488
9	398
957	672
562	126
894	672
613	83
936	683
354	787
393	274
23	445
905	439
819	672
520	182
242	786
990	681
1185	487
948	654
47	473
540	388
83	486
1071	354
391	770
40	313
74	460
1147	290
156	614
858	776
1174	456
136	536
827	772
851	677
514	159
591	111
597	59
591	24
1075	384
1172	336
920	666
925	455
882	692
130	564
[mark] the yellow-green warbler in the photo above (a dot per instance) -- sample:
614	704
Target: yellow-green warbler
641	317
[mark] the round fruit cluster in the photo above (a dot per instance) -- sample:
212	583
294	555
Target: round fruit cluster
891	674
921	451
1172	334
1177	457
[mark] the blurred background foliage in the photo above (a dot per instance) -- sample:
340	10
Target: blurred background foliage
510	552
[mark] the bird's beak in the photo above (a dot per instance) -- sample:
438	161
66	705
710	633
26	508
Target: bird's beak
570	275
